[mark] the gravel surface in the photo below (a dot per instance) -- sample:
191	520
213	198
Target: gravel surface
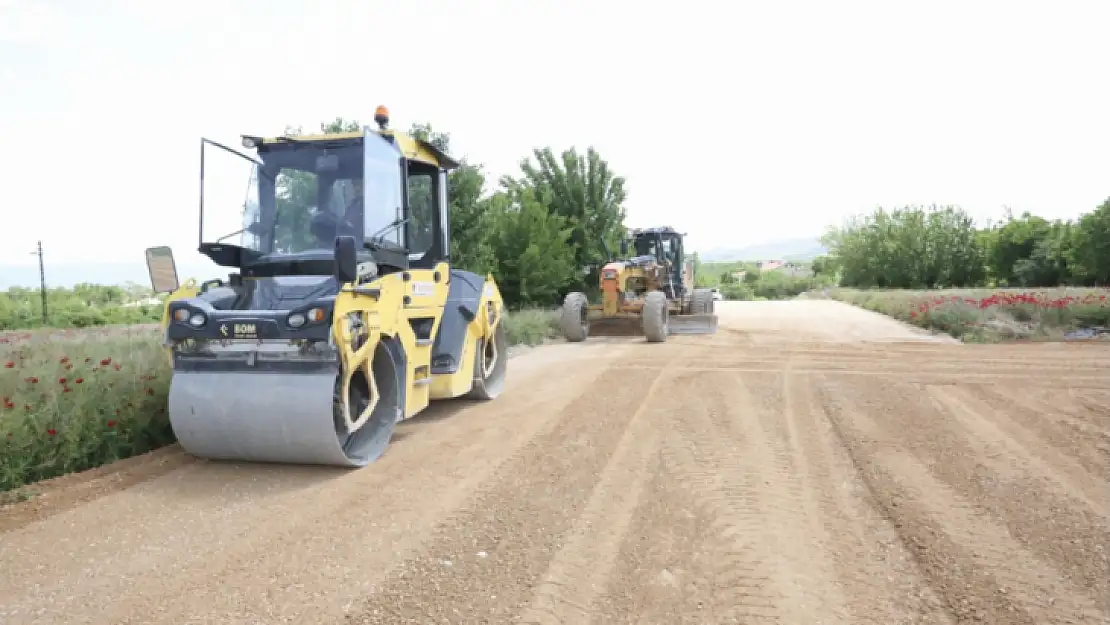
809	463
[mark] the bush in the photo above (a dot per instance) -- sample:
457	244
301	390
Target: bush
531	326
741	292
76	399
986	315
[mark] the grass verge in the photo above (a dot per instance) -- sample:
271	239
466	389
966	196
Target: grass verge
72	400
990	315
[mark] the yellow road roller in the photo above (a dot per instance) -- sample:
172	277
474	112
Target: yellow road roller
341	314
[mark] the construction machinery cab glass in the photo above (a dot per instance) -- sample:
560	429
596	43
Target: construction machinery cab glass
279	211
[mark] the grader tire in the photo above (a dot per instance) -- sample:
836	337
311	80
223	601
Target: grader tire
573	320
655	317
702	302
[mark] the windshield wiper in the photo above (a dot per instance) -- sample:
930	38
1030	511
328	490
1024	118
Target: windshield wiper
239	231
377	240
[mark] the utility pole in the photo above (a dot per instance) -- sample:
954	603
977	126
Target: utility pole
42	282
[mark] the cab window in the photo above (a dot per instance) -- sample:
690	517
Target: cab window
422	208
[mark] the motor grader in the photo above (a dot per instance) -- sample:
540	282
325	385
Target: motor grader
342	314
652	292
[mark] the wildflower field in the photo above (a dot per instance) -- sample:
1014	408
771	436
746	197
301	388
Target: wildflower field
992	315
75	399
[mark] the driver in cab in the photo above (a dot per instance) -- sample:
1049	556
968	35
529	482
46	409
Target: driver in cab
326	225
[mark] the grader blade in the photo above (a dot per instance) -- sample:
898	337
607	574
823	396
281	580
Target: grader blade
692	324
616	326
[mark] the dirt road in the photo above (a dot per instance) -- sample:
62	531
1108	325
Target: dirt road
810	463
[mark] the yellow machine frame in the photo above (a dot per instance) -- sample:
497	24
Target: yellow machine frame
402	311
634	292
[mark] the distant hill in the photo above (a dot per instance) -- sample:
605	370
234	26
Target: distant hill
806	248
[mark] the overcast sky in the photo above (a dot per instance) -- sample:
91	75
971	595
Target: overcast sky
740	122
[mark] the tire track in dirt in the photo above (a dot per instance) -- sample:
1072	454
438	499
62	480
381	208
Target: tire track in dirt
483	561
1096	405
581	569
925	479
1004	442
1072	507
1059	420
767	572
875	569
245	524
978	455
665	568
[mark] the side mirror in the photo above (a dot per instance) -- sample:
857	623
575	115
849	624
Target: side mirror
163	271
346	259
624	248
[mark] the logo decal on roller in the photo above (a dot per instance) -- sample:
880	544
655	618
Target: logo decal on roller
240	330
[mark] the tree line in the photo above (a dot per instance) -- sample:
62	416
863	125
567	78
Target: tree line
84	305
917	247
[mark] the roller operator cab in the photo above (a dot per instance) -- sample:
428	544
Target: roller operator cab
651	286
341	314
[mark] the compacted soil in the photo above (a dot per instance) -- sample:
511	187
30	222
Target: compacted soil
809	463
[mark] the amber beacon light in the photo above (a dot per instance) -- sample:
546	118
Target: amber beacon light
381	116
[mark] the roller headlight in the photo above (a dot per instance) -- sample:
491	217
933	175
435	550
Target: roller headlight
312	315
197	320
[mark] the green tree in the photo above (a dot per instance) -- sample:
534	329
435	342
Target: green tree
1090	246
531	243
587	194
912	247
1013	243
